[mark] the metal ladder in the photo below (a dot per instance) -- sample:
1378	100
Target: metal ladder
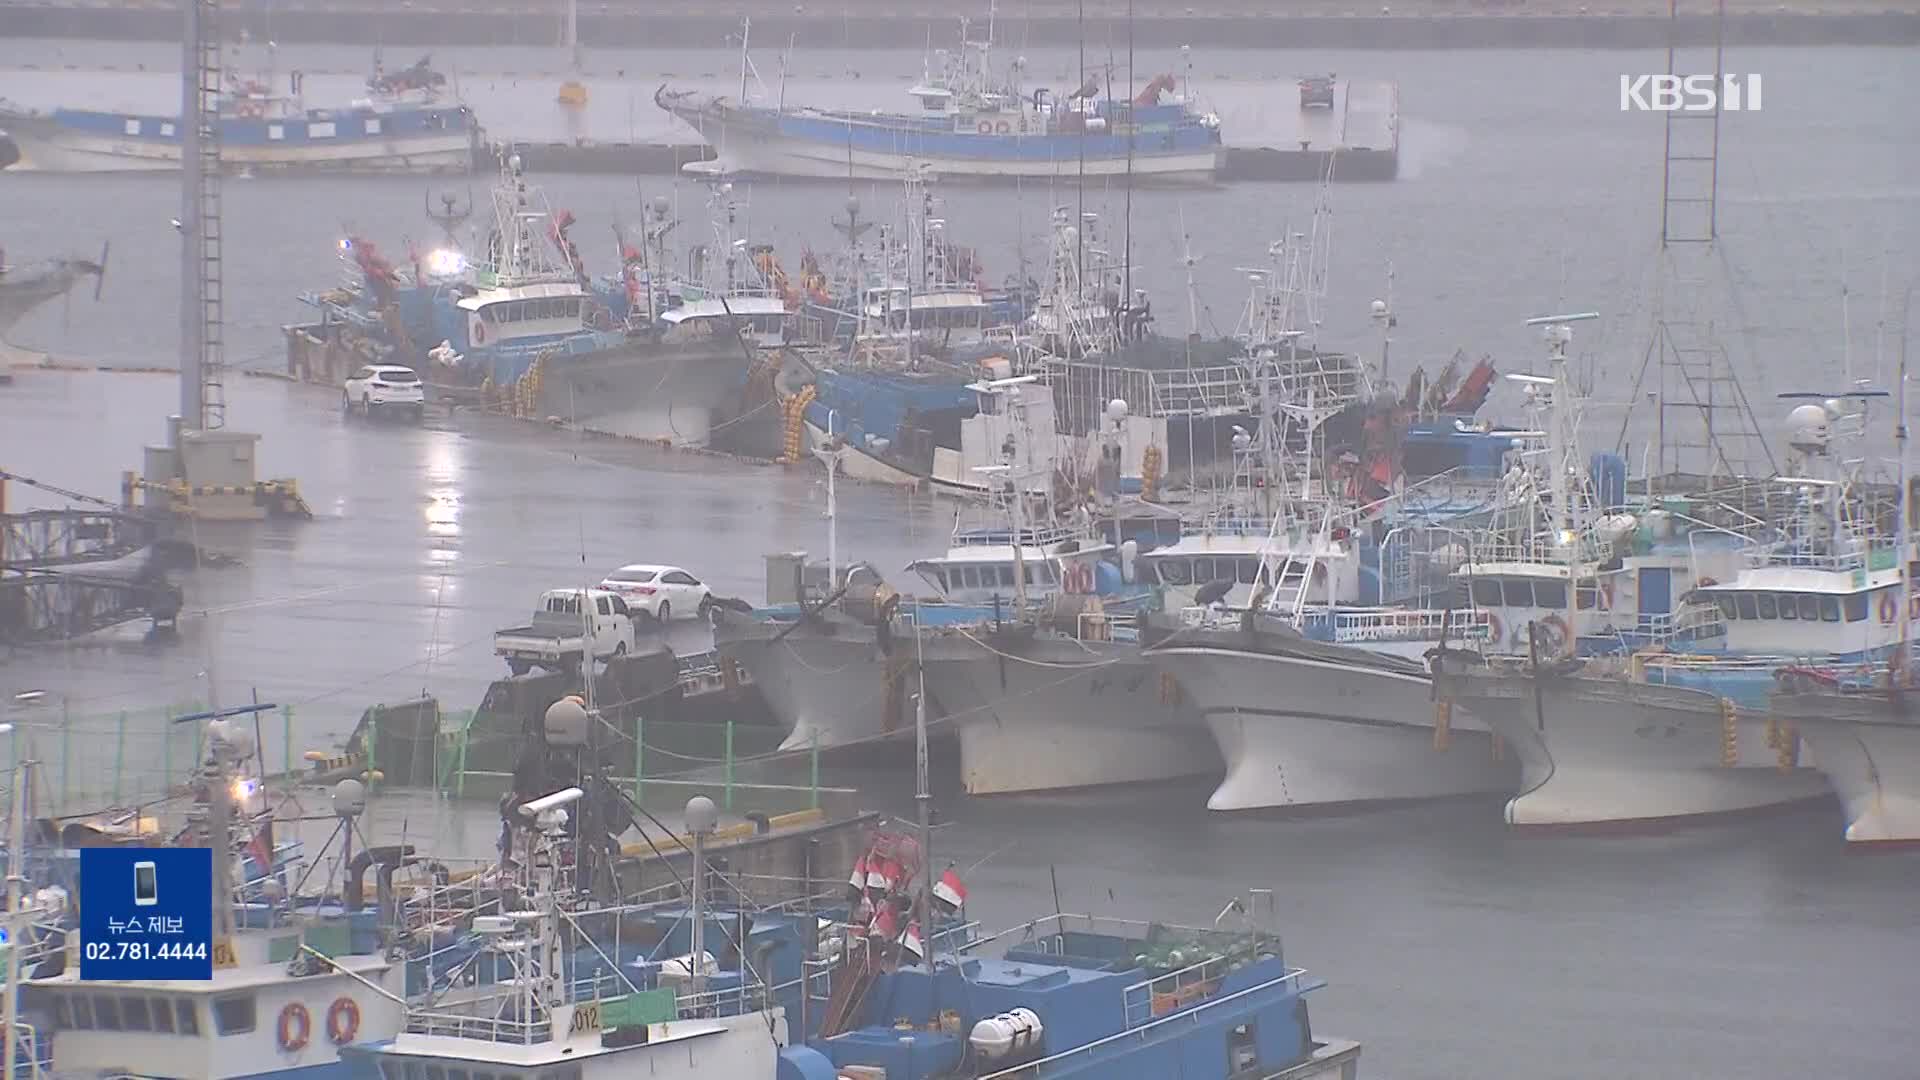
211	297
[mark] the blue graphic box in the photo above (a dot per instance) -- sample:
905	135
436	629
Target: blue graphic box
146	913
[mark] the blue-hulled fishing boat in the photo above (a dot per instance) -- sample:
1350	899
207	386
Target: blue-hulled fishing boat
975	123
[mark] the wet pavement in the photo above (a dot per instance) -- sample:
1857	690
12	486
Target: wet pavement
1454	947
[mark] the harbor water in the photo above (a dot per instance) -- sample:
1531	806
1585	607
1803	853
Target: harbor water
1454	947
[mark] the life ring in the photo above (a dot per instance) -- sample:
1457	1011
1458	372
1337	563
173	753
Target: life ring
343	1021
296	1025
1002	128
1889	607
479	333
985	127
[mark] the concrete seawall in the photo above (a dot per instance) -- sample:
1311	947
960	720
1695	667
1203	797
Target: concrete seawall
1409	24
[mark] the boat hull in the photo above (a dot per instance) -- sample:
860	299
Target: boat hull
1053	713
1871	757
1603	752
749	154
1298	730
843	147
47	147
825	688
664	392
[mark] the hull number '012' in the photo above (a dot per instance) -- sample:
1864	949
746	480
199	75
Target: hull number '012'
585	1018
146	950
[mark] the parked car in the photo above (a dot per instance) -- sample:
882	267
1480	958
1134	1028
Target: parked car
559	636
1316	90
385	388
660	592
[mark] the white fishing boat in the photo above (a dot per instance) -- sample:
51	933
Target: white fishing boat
1658	737
294	982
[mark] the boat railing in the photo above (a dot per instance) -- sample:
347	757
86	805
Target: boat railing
1163	994
1406	624
1874	555
1046	931
1152	1030
490	1017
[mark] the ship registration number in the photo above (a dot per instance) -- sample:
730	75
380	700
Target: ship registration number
586	1018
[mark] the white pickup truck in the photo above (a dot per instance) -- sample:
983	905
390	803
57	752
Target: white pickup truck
558	635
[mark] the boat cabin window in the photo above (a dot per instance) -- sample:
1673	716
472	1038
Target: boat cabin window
233	1015
1486	593
548	307
1799	607
106	1013
1006	576
435	1072
1517	593
1550	594
1586	596
134	1015
1246	570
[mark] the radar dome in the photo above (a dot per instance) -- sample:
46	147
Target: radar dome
1809	426
349	798
566	723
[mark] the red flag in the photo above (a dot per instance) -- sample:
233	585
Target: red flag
912	941
261	848
859	878
885	923
950	890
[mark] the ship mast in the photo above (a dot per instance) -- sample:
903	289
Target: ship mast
1903	527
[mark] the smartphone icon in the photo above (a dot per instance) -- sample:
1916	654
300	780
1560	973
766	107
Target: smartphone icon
146	885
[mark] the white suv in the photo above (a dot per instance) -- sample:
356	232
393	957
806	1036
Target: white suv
385	388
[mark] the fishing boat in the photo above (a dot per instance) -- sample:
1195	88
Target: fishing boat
295	980
26	286
975	122
402	126
1654	733
1863	733
644	356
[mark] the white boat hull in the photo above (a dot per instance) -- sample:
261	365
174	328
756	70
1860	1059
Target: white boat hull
1056	713
1304	732
70	151
858	464
1599	752
748	153
829	690
656	393
1875	772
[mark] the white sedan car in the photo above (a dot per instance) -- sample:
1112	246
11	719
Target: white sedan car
660	591
385	388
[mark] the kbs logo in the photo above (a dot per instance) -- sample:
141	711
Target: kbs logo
1689	93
